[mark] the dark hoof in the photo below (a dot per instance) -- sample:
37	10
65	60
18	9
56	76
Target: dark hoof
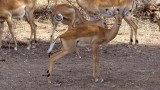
36	41
137	42
48	75
47	71
49	54
2	60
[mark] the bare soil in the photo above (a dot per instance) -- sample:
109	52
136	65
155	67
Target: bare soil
124	67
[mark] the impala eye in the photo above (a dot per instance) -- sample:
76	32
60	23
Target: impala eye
106	9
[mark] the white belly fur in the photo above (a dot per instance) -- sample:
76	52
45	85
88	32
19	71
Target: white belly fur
19	12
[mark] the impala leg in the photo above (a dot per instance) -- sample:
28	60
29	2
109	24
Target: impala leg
73	21
10	25
54	58
131	23
29	18
52	38
131	36
96	68
53	31
158	23
77	52
99	69
1	32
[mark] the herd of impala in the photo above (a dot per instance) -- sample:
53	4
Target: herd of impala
80	31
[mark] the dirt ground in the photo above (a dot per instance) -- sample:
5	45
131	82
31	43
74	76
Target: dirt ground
124	67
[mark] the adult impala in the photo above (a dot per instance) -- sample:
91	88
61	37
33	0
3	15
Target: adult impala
107	8
17	9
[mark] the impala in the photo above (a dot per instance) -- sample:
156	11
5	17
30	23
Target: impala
87	34
107	8
17	9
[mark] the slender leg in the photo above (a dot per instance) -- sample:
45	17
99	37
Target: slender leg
1	32
52	38
10	25
77	52
158	23
130	22
54	27
54	58
74	17
131	37
96	68
29	18
99	69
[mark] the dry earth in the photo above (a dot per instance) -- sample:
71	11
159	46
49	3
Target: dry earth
124	67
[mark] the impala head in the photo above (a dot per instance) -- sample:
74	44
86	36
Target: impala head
118	17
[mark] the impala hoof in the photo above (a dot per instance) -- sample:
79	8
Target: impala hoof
99	80
49	54
47	71
79	57
15	49
130	43
35	41
102	80
28	47
49	81
135	47
33	46
96	80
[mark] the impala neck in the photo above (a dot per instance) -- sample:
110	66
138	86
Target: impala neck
80	16
114	30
